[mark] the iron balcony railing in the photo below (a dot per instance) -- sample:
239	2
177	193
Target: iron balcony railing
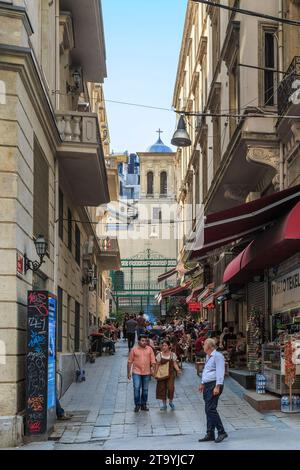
287	89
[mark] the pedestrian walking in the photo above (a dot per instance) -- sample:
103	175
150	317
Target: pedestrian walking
141	324
125	320
212	388
141	364
131	326
165	388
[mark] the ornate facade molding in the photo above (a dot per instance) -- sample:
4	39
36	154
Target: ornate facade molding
265	156
236	192
214	96
232	44
66	34
202	49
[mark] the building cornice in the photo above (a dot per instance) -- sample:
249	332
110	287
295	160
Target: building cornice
17	12
191	9
22	60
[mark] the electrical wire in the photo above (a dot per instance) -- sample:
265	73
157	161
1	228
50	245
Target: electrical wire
249	12
143	222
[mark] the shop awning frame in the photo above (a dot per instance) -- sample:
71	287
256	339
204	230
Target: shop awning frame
270	248
227	226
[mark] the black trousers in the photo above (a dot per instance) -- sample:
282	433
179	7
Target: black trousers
211	403
131	340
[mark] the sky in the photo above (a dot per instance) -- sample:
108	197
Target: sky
143	40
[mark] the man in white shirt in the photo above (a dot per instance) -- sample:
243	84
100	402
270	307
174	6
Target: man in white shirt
212	387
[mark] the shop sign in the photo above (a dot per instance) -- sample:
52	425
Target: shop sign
20	263
286	292
194	306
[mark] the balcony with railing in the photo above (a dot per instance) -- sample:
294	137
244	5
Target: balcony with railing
288	99
78	127
109	253
81	157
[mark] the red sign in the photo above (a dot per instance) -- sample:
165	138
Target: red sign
194	306
20	263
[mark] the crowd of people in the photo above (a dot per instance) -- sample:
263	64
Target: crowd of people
185	336
162	348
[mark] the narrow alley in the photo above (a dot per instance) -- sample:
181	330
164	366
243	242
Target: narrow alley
104	418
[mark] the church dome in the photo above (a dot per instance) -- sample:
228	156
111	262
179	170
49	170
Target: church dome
159	147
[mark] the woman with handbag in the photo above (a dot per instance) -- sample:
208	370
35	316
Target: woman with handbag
165	374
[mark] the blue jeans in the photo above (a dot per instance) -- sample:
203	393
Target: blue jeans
140	382
211	403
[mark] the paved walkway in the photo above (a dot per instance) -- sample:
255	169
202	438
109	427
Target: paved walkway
104	416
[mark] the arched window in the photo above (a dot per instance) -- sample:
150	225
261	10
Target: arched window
163	183
150	183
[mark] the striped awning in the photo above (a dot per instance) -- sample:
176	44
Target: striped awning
172	291
194	295
206	292
167	274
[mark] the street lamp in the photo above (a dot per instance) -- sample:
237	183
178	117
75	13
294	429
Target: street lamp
181	137
41	248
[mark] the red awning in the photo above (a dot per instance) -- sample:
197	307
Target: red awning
227	226
166	275
276	244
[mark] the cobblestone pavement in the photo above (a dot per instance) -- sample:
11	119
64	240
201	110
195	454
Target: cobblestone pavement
104	416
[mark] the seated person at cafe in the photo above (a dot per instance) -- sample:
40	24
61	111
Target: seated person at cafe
106	341
240	348
199	351
229	335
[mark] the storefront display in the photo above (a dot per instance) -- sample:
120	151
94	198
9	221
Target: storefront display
255	338
277	360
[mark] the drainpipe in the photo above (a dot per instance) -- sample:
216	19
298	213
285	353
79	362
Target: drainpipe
280	66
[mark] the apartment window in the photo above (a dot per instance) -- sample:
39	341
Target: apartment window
269	61
204	169
70	228
216	142
77	327
40	194
157	215
216	38
234	97
77	245
197	185
163	183
61	215
59	318
204	82
150	178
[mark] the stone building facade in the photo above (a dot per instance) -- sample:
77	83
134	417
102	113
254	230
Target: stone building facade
233	83
52	178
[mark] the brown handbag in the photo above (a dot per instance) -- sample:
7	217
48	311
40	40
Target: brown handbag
163	371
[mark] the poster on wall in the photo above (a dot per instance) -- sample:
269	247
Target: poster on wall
51	352
40	366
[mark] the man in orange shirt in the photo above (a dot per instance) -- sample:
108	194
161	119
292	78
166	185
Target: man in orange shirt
140	366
